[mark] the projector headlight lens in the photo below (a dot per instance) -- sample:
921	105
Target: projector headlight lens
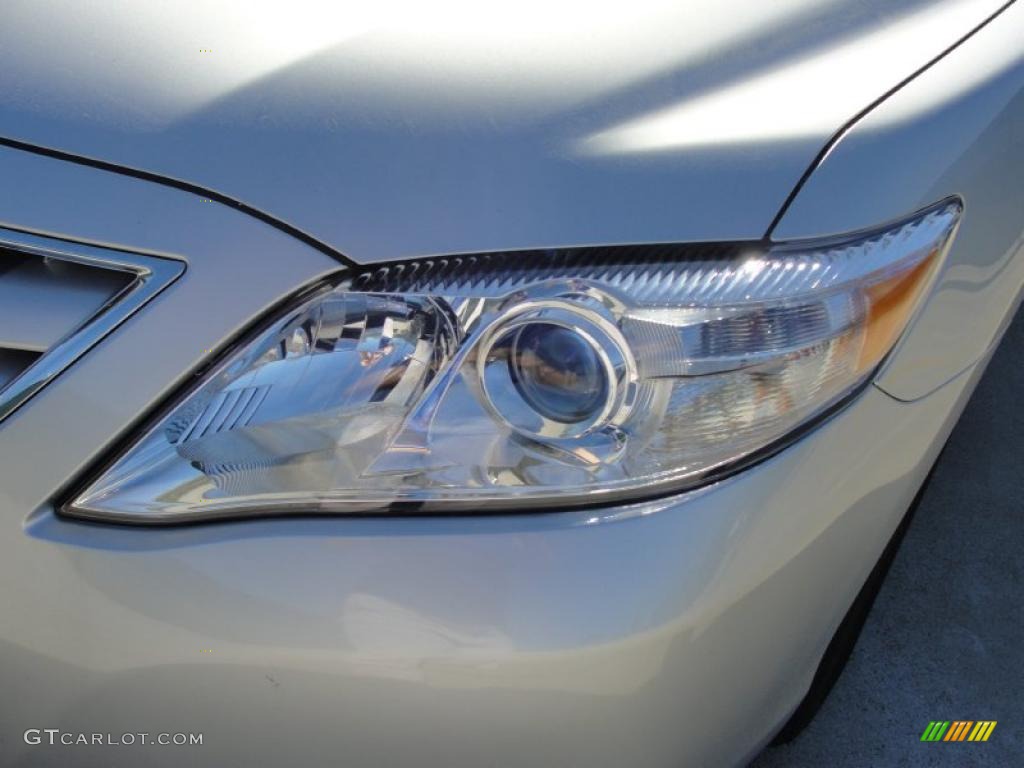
559	371
523	380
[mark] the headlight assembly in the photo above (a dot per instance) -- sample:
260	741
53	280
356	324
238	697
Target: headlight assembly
525	380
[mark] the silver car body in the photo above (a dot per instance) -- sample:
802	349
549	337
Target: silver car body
265	150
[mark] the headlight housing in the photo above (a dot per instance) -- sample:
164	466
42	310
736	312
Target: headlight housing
522	380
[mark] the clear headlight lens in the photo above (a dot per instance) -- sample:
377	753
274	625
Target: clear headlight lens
517	380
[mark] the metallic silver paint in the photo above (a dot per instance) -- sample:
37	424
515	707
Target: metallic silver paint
395	128
685	634
958	129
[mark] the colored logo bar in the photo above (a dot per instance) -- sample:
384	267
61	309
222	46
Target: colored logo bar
958	730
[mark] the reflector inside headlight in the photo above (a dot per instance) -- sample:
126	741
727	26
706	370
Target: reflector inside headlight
513	380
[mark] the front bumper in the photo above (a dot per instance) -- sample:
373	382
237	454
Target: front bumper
679	631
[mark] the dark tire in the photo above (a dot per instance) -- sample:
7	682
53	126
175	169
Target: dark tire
845	638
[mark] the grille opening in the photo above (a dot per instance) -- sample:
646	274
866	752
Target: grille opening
13	362
45	299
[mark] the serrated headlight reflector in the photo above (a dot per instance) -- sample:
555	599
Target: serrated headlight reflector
504	381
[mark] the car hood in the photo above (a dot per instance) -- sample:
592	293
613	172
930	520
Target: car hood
390	129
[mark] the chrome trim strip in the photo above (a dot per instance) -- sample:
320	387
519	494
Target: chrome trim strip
152	274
